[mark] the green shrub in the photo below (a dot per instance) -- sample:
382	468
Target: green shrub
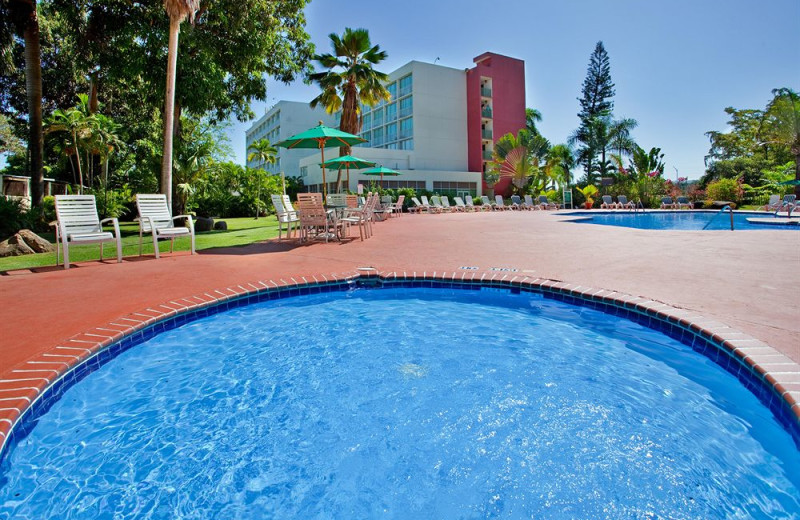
14	216
725	189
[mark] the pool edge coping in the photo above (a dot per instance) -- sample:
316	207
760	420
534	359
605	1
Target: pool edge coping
776	372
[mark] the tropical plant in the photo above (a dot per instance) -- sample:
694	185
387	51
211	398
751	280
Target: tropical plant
349	81
559	165
262	152
588	192
532	116
518	157
77	128
178	11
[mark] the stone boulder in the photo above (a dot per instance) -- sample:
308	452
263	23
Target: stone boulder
221	225
26	242
203	224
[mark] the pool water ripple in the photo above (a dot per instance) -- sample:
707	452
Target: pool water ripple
406	403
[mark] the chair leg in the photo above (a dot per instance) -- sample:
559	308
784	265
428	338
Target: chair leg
140	240
66	254
171	245
155	244
192	237
101	250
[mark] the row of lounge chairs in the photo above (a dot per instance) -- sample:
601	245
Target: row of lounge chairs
77	223
441	204
788	203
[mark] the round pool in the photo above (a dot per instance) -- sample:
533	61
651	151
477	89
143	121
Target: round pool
405	403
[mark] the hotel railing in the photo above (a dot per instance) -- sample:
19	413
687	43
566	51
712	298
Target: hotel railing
486	92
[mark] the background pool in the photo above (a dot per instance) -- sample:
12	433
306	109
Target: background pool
682	220
406	403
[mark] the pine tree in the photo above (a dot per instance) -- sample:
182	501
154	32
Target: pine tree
596	104
597	87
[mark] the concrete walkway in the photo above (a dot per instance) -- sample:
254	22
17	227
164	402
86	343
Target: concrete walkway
749	280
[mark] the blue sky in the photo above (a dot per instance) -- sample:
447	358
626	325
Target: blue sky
676	64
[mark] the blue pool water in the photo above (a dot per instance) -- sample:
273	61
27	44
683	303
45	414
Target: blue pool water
412	403
681	220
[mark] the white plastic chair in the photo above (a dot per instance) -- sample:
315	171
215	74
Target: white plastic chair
78	223
286	215
156	218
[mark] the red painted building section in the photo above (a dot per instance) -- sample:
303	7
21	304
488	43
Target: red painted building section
495	107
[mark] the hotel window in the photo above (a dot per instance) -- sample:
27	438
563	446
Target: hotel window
406	128
367	121
366	135
391	146
391	112
392	88
377	117
408	144
391	132
377	137
303	171
405	86
406	106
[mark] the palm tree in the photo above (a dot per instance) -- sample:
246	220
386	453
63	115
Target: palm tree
21	16
178	11
350	81
620	135
78	127
559	165
262	152
518	157
532	116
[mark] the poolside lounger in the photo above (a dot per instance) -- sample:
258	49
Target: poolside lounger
427	205
684	202
472	207
417	207
487	203
446	204
608	203
500	203
438	204
156	218
666	203
624	203
788	201
516	202
529	204
773	204
460	206
397	207
77	223
546	204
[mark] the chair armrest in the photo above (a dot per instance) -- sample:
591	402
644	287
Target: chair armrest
53	224
188	218
114	221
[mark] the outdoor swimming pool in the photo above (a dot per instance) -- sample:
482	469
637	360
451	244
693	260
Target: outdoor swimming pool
406	403
680	220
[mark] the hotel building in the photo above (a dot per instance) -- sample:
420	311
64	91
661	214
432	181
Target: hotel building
438	129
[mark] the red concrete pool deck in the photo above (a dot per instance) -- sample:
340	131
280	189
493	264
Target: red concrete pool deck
743	286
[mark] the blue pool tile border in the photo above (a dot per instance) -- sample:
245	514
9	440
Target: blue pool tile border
684	331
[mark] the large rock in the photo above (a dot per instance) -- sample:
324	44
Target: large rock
203	224
221	225
26	242
35	242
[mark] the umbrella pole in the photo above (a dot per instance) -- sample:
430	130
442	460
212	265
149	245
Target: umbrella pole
283	182
348	177
324	184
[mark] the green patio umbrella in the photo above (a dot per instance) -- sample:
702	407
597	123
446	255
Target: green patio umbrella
380	170
321	137
792	182
347	161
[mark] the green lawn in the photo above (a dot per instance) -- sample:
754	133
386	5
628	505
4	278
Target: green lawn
241	231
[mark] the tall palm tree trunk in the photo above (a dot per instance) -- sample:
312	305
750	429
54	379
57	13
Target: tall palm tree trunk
33	85
169	107
78	160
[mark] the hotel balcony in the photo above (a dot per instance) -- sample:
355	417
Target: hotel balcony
486	92
487	113
486	134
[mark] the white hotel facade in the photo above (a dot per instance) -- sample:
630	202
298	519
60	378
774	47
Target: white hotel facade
429	130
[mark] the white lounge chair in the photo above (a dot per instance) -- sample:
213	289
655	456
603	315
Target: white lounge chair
417	207
427	205
499	203
156	218
516	202
472	207
437	203
487	203
773	204
683	202
529	204
667	203
460	206
78	223
446	204
286	215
